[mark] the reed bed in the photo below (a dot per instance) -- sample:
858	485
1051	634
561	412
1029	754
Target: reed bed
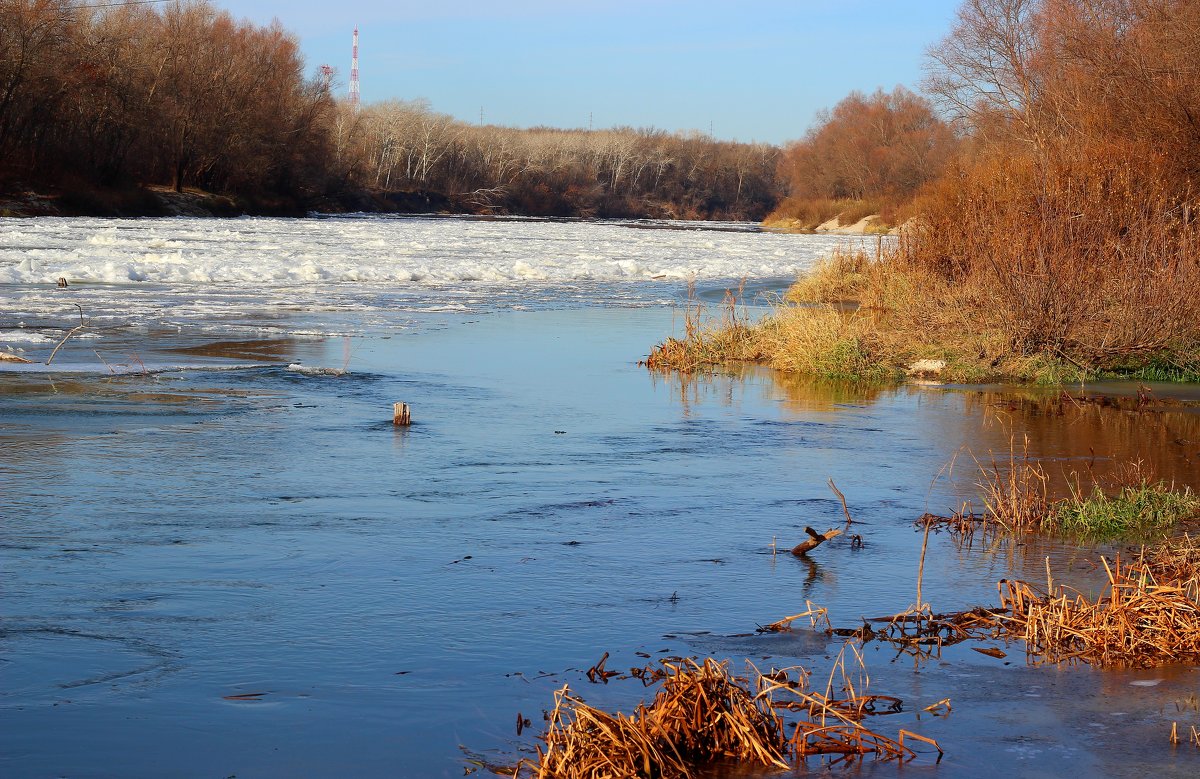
1015	491
702	716
707	341
1148	614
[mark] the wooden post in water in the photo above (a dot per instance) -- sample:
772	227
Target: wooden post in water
401	415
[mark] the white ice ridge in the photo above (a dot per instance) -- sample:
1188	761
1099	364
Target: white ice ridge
392	251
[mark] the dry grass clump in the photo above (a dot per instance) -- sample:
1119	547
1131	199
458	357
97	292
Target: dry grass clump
1148	614
701	716
707	342
822	341
838	278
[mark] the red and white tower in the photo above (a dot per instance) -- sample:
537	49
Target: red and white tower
355	92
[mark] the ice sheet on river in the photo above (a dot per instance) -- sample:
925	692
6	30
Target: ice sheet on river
271	275
384	249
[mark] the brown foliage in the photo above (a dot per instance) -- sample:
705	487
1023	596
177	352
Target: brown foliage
180	94
885	144
1068	229
184	95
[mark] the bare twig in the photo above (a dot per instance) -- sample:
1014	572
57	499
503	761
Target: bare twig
842	498
81	326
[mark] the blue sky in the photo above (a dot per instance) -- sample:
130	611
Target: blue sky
755	70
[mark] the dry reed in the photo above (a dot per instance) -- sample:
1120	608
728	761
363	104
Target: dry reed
699	715
702	715
1147	615
707	341
1015	492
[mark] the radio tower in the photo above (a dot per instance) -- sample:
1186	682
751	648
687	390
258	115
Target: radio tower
355	92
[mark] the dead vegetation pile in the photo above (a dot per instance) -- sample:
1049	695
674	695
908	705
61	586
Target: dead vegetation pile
702	716
1148	614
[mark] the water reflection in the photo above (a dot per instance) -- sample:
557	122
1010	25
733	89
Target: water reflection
1077	436
1089	435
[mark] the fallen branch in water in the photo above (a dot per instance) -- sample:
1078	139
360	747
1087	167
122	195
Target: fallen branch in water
817	539
10	357
842	498
81	326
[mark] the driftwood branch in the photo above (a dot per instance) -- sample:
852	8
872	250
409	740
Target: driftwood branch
81	326
816	540
842	498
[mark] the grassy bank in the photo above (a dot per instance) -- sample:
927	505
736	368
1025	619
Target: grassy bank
856	317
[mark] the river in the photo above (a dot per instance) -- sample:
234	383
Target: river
221	558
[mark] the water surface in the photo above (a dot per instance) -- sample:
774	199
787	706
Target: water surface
221	560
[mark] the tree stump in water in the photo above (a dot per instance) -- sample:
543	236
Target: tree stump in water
401	415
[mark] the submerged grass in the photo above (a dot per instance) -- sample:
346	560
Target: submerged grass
1135	511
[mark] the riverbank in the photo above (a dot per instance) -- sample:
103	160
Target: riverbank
154	201
884	319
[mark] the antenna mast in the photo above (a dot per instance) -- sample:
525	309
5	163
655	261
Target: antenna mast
355	90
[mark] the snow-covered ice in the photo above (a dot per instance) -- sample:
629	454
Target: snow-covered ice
184	271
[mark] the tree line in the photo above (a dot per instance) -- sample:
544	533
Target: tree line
869	154
186	96
622	172
180	95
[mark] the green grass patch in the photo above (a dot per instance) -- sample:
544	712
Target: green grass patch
1136	512
1157	370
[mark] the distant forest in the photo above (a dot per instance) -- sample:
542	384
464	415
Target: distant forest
97	100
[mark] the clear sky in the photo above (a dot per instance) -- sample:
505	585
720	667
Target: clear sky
755	70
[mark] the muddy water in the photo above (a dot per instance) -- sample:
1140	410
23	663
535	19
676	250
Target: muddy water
250	572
